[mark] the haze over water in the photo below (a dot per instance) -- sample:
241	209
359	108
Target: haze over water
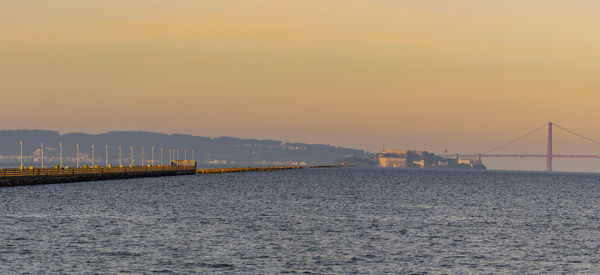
311	220
465	75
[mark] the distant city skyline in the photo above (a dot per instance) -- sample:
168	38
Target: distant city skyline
460	75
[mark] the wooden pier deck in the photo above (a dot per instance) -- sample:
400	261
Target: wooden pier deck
22	177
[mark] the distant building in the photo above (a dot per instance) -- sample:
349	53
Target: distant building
392	162
405	158
465	161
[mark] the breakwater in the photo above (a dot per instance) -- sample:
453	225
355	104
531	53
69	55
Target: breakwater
22	177
245	169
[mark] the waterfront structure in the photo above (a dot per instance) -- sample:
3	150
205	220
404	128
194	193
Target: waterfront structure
62	174
34	176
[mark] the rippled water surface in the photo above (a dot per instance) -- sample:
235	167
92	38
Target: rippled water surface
307	221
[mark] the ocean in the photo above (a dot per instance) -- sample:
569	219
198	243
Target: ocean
314	221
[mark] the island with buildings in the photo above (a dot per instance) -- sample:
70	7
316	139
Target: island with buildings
414	159
424	159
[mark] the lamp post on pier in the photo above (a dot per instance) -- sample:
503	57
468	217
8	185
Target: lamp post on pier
120	157
161	156
93	155
77	155
21	166
106	159
61	164
152	163
42	155
143	164
185	154
131	160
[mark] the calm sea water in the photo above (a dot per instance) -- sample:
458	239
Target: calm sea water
307	221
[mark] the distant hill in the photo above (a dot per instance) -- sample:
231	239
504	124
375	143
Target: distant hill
223	150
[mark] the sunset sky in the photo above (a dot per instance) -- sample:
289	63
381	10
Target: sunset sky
462	75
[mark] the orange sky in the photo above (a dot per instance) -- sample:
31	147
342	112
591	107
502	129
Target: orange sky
462	75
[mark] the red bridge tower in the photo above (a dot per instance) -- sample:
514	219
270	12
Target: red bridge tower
549	149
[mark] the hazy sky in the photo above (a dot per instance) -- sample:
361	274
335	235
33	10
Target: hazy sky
462	75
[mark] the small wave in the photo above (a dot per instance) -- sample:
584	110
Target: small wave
219	265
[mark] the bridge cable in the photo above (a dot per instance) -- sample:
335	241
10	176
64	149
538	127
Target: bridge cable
576	134
517	139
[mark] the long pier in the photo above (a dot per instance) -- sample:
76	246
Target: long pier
245	169
23	177
34	176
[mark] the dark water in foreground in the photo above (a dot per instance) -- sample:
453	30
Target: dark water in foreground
313	221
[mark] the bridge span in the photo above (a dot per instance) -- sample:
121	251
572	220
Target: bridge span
548	155
475	156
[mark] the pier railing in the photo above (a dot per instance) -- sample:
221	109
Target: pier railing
4	173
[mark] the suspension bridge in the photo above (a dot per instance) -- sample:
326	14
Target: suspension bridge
548	155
